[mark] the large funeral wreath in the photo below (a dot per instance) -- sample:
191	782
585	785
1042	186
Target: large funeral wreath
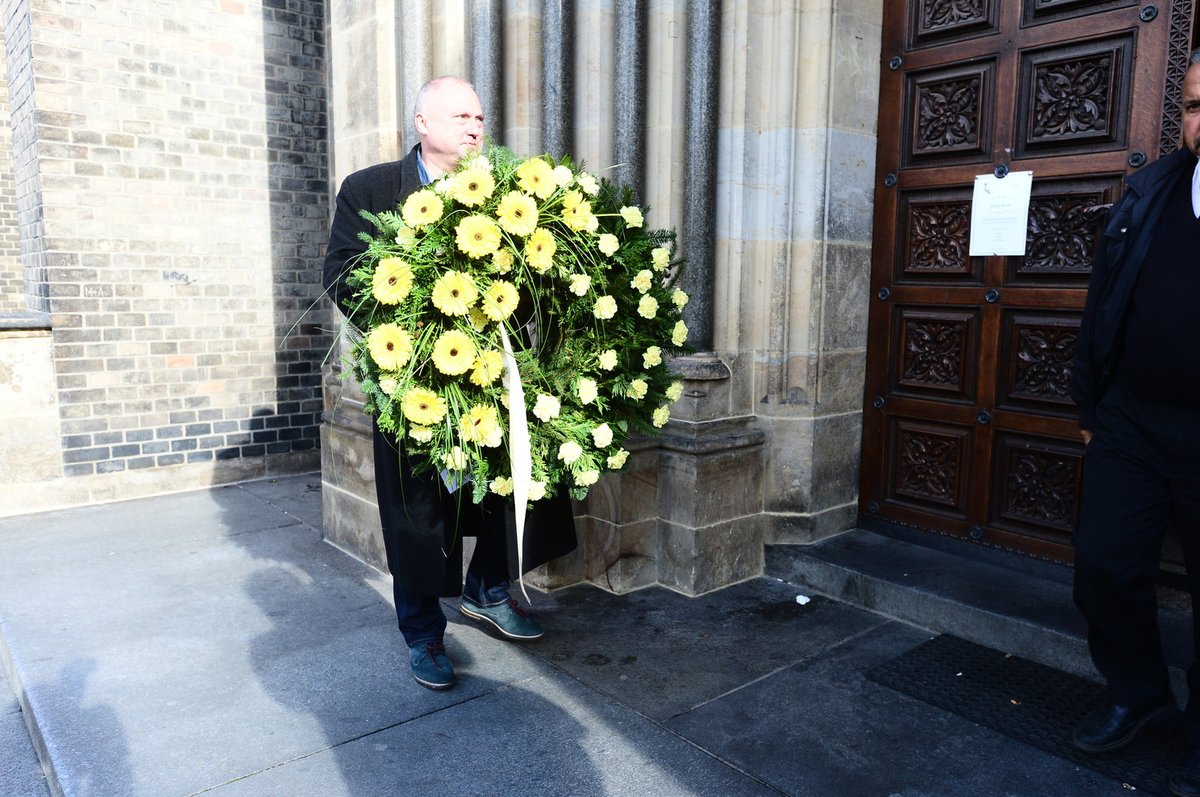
517	263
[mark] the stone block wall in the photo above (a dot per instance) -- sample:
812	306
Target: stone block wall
172	183
12	278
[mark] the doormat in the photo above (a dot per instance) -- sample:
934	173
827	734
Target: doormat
1030	702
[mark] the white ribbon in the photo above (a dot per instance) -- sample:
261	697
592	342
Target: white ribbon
519	457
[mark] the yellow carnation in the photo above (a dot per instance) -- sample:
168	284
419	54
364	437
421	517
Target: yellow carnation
472	186
607	359
405	237
477	236
422	434
587	390
539	250
453	352
454	293
661	257
642	281
602	435
478	319
648	307
651	357
487	368
517	213
661	416
632	216
608	244
562	176
570	451
679	334
537	491
392	281
580	284
606	308
637	389
586	478
421	208
499	300
546	407
679	298
481	425
536	177
455	459
588	184
501	485
422	406
503	261
618	459
390	346
675	391
388	385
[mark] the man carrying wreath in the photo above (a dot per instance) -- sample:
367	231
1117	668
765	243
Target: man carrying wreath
423	520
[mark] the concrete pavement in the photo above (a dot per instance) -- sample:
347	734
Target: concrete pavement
211	643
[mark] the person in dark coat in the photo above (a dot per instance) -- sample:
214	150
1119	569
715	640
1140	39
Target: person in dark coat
423	523
1137	382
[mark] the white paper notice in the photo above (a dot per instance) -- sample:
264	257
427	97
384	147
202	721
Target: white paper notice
1000	214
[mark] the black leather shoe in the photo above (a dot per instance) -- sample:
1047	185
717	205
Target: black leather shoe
1111	726
1185	780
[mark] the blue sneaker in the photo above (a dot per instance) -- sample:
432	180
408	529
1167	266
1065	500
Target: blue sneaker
430	666
508	618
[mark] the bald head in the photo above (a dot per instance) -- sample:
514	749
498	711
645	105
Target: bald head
449	121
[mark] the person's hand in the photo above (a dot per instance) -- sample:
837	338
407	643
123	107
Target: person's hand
1086	435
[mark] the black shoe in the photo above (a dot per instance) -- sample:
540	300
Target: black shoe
1185	780
1111	726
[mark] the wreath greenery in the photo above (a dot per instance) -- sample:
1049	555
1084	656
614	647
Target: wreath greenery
546	257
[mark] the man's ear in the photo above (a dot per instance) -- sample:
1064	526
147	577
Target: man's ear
419	122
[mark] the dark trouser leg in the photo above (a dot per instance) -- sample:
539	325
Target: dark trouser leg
487	575
1185	488
1126	501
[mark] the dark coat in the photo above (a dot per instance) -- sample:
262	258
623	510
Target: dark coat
423	525
1119	256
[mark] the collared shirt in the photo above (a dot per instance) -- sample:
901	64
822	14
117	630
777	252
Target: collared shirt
1196	191
424	173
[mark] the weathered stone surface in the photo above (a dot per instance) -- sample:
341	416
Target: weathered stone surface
698	560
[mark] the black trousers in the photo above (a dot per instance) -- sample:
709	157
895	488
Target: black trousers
1141	471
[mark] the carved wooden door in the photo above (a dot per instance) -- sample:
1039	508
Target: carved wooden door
969	429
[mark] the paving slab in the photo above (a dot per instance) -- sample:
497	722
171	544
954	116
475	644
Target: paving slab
821	728
20	773
547	736
662	653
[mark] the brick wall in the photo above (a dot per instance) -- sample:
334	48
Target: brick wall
175	154
12	281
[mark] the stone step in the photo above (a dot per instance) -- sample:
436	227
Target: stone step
1018	606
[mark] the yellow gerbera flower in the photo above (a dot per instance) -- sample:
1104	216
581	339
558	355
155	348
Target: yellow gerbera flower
477	236
572	199
517	213
606	308
487	368
423	407
422	208
632	216
453	352
390	346
472	186
648	307
499	300
578	217
392	281
536	177
454	293
481	425
539	250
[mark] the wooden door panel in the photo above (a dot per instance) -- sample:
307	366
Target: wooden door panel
968	425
